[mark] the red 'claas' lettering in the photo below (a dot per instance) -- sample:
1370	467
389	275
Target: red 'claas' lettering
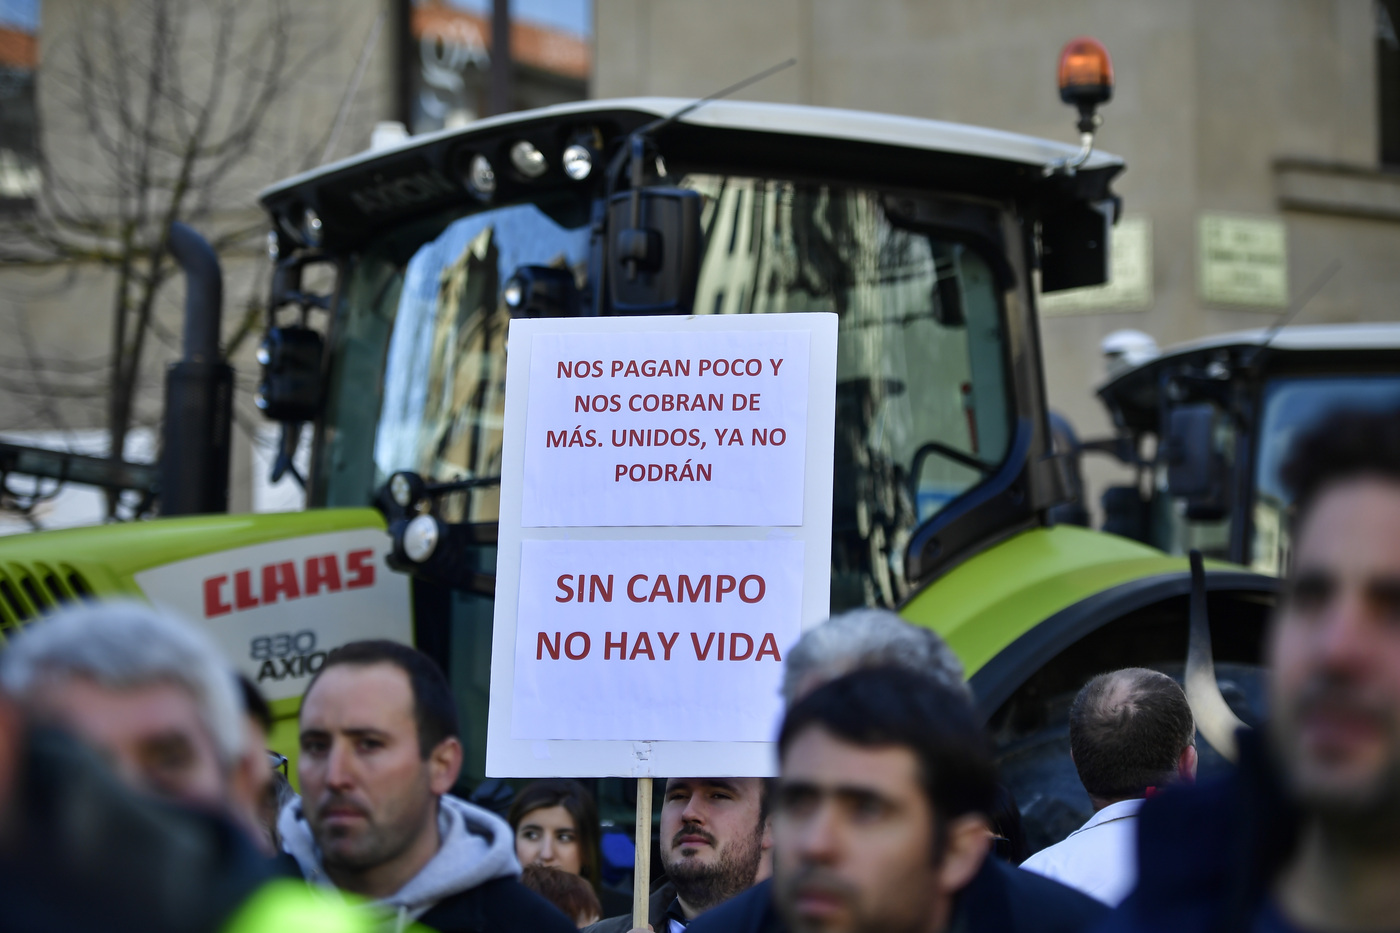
284	581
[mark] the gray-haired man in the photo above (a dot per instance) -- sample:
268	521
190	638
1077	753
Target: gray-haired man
148	691
865	638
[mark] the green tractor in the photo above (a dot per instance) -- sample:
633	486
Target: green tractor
397	272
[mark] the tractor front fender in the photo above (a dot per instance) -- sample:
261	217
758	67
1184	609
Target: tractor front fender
1012	609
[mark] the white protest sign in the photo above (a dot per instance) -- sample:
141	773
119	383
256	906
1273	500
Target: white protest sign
665	537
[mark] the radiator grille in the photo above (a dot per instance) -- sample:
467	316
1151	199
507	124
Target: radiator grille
29	591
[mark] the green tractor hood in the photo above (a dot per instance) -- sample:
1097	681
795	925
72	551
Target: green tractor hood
1011	609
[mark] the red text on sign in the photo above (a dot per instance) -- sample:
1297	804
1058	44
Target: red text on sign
618	647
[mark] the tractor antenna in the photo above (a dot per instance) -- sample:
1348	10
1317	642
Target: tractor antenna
1309	293
664	122
1256	359
635	149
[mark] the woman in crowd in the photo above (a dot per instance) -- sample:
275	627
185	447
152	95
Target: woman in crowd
556	825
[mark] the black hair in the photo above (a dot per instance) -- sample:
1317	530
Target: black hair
254	704
1346	444
574	797
1127	730
884	706
434	710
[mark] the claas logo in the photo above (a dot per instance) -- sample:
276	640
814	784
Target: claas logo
287	580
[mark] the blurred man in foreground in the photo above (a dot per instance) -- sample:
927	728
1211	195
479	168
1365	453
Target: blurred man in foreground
1305	835
82	849
1131	733
846	642
149	692
879	822
379	751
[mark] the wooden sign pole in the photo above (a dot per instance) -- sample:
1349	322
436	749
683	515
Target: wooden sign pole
641	875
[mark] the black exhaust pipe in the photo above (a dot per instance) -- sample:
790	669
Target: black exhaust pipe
194	465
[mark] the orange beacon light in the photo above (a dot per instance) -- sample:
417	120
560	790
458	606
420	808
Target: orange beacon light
1086	78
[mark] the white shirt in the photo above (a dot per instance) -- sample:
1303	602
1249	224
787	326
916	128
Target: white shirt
1099	858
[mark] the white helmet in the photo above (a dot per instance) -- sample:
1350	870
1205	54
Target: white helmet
1124	349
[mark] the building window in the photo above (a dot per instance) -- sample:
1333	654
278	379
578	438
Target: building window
448	58
19	57
1388	79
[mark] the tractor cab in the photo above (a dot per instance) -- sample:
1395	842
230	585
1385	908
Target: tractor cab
925	238
1209	423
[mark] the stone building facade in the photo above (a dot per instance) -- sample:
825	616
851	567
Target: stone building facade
1262	139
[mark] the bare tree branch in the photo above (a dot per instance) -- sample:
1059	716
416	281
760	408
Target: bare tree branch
170	100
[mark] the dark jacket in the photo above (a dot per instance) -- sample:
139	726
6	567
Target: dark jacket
497	906
1207	855
657	905
999	899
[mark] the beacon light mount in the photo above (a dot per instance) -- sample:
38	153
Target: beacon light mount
1085	77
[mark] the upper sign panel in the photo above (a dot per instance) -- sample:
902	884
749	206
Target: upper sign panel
666	429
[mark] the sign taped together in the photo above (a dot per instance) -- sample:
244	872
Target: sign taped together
644	605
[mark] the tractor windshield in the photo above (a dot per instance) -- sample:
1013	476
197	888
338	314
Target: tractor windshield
1292	407
923	410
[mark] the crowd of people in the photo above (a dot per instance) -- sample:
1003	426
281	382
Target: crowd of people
137	790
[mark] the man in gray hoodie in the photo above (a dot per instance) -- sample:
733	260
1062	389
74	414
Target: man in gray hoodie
379	751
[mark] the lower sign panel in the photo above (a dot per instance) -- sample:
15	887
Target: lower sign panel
654	640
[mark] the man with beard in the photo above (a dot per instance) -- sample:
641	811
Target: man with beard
379	751
715	843
1305	835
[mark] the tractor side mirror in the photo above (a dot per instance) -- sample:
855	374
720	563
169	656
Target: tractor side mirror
1074	244
291	386
654	263
1195	468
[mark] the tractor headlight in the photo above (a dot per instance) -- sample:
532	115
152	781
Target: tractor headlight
311	227
401	490
578	162
481	177
528	160
420	538
513	293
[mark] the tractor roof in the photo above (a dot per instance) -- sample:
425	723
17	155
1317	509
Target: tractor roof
788	119
1314	349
